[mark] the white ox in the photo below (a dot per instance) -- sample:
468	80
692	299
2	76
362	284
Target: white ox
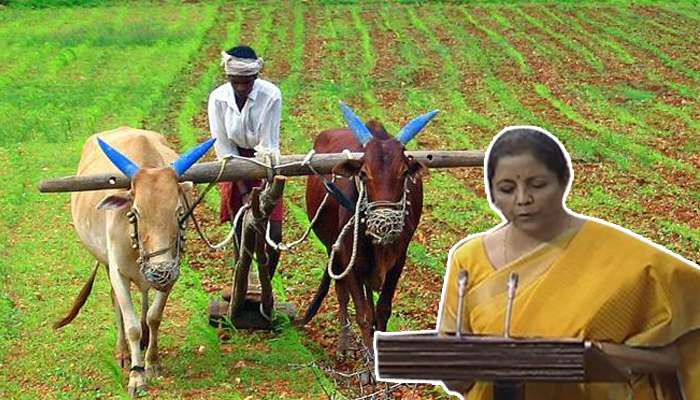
136	233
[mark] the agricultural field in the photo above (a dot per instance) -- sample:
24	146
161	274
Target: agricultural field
617	82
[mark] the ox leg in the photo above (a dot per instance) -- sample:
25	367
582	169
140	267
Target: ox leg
363	311
155	315
365	319
132	325
387	295
144	315
370	304
343	296
122	345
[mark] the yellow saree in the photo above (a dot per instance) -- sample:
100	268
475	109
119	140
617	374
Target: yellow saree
600	283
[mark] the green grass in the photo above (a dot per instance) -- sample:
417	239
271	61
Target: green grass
634	38
459	111
45	266
597	41
500	41
87	69
618	147
567	42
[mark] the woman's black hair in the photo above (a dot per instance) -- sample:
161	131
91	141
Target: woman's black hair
525	140
242	51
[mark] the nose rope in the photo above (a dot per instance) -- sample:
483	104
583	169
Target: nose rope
354	221
161	275
385	220
382	223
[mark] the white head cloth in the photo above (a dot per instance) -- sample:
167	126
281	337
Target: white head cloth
240	66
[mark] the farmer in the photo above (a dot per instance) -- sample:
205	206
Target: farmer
244	117
579	277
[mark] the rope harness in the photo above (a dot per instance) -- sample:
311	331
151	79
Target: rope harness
161	275
383	220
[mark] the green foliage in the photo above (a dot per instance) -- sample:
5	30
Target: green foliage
566	41
59	3
637	95
501	41
618	147
637	40
65	77
68	72
86	68
687	236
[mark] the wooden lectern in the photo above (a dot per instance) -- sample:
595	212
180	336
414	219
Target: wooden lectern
512	362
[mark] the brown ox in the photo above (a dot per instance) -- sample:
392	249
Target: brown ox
389	215
137	234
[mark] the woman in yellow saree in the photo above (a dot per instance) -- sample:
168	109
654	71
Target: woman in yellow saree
579	277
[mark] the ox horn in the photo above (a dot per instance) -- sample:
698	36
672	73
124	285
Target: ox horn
411	129
128	167
355	124
182	164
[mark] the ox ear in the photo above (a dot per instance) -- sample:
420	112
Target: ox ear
348	168
416	169
186	186
115	201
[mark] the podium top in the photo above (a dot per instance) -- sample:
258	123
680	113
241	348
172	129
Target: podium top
425	356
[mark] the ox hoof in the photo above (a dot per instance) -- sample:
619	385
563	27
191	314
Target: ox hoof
367	378
137	391
137	384
153	371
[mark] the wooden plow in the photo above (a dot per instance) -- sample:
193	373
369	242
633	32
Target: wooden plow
244	309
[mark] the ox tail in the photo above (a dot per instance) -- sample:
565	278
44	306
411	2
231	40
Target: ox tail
318	299
79	301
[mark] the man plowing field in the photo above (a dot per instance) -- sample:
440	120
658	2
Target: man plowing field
244	117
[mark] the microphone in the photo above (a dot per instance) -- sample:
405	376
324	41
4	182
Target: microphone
512	287
462	282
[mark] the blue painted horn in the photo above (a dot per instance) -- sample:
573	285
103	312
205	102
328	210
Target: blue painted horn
355	124
182	164
411	129
128	167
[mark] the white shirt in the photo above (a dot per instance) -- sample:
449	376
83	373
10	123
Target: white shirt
257	125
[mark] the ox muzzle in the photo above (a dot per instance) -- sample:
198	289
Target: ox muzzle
160	275
385	220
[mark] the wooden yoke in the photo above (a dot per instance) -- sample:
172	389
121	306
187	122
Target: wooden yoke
236	169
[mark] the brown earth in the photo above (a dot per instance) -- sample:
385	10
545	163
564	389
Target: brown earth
419	290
